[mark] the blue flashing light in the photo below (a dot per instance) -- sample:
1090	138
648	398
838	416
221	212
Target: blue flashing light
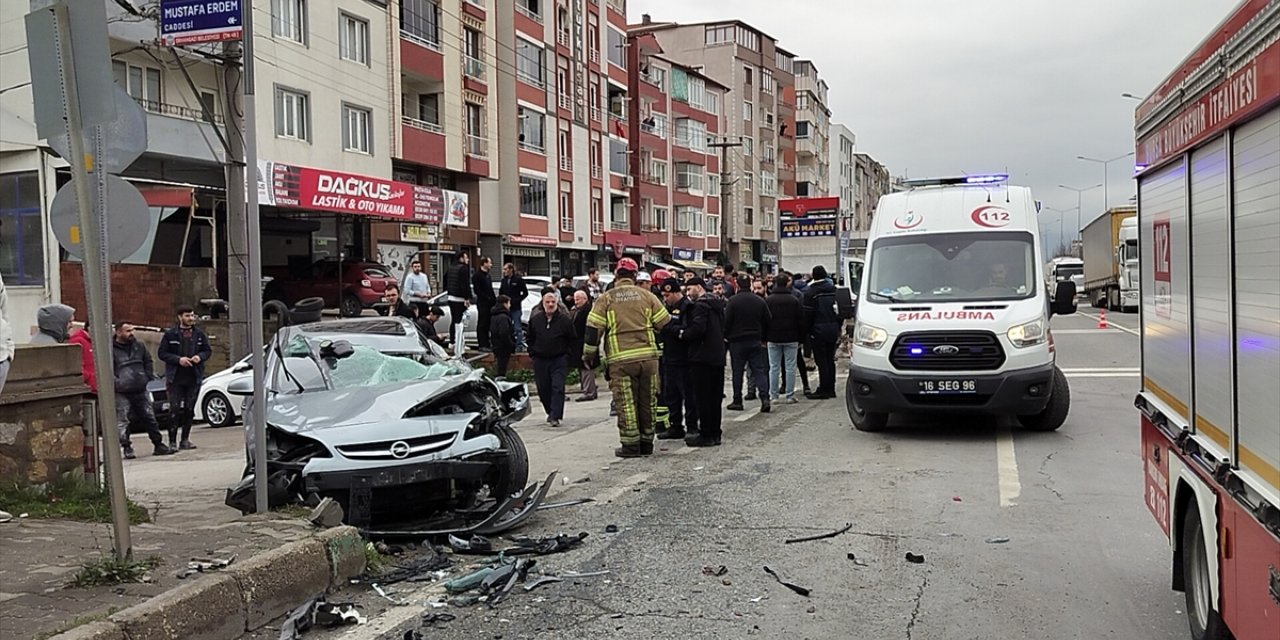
987	179
915	351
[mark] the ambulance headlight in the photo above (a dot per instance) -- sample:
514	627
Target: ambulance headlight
1029	334
865	335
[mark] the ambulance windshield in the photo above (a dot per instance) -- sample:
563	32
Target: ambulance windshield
953	267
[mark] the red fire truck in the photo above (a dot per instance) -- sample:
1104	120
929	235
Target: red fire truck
1208	148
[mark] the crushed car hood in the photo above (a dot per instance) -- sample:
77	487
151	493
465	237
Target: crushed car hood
322	410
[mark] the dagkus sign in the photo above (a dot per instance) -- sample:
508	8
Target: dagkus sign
290	186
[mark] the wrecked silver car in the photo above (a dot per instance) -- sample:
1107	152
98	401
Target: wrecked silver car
370	413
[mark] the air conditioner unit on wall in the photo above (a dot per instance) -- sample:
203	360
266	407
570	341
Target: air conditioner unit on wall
628	181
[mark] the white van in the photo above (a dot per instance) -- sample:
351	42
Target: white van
952	314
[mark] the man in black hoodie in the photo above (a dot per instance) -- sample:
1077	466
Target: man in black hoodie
133	370
482	285
823	328
676	380
513	287
704	333
457	287
746	322
784	337
502	335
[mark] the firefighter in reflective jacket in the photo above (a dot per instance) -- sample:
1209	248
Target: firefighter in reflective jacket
627	319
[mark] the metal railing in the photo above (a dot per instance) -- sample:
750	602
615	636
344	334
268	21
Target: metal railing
596	114
595	56
477	146
566	163
620	225
596	172
478	3
566	101
562	37
527	78
536	17
529	146
434	45
597	227
473	67
421	124
177	111
651	80
617	115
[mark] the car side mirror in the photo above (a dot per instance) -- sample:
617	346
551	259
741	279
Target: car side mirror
242	367
241	387
1064	298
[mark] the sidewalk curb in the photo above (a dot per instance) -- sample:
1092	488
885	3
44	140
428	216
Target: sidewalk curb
243	598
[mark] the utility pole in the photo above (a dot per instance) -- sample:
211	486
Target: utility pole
727	215
237	262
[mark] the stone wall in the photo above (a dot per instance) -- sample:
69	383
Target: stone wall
41	415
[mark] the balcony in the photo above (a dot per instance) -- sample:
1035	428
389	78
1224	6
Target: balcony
176	111
432	43
595	56
534	148
620	225
422	142
651	80
528	13
477	146
180	132
566	101
563	38
595	172
473	68
596	114
566	163
422	125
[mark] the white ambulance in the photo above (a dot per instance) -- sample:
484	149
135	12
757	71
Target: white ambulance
952	313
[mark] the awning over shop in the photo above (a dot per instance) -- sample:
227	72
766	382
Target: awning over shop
749	264
694	264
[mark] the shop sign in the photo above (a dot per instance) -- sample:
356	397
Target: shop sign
684	254
290	186
808	228
421	234
199	21
634	251
525	252
769	253
536	241
808	207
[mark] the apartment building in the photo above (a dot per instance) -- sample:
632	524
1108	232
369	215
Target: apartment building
841	147
871	180
675	213
746	61
812	131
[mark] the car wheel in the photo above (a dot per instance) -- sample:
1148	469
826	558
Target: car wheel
1205	623
1054	413
217	410
862	420
513	477
351	306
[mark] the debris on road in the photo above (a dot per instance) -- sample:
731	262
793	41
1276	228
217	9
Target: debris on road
425	569
613	528
587	574
796	588
823	536
566	503
319	613
856	561
997	540
715	571
477	544
432	619
956	499
530	586
205	565
914	559
387	596
327	514
506	515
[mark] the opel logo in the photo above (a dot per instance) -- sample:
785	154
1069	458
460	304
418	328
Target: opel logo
946	350
400	450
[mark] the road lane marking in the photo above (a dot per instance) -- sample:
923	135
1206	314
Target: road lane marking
1110	324
1099	374
747	415
1007	468
1094	332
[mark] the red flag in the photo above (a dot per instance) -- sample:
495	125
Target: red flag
619	128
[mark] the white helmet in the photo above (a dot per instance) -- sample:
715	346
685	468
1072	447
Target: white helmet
643	276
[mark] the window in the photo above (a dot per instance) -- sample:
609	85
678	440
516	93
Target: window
21	231
477	145
658	171
689	220
749	215
293	114
420	19
533	196
208	104
142	83
748	38
531	8
747	74
595	157
802	101
532	130
713	225
597	213
426	108
691	134
719	34
766	81
530	65
768	184
748	147
356	125
713	184
289	20
658	125
802	129
748	181
766	219
689	176
617	157
784	62
473	46
748	113
566	207
655	76
353	39
711	103
655	217
767	153
617	52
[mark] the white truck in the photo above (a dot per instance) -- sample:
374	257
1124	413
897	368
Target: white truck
1064	268
1110	251
952	315
1209	234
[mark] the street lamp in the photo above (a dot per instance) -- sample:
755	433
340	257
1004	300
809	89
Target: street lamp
1079	191
1130	96
1104	164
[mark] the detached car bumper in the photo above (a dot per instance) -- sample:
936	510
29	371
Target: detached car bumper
1018	392
407	474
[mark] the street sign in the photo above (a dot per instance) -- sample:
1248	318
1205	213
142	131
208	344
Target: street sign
126	135
128	220
200	21
87	22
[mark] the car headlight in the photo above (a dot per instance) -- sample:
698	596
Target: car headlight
1029	334
865	335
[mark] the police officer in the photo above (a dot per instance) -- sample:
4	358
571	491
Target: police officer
677	387
627	318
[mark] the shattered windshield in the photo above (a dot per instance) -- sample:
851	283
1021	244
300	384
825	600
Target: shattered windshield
953	267
365	367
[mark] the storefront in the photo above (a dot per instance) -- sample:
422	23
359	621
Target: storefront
768	256
691	259
531	255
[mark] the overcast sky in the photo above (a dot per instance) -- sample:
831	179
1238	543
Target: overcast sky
940	87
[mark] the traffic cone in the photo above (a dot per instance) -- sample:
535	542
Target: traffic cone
1102	318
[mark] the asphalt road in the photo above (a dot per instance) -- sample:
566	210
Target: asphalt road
1083	558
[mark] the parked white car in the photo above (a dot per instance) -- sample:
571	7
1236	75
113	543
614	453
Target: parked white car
214	405
534	283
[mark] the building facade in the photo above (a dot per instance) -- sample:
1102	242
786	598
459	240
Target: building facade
871	180
841	147
812	132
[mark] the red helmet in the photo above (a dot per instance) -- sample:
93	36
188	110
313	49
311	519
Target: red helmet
661	275
628	264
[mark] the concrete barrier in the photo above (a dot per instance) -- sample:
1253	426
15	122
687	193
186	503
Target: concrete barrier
245	597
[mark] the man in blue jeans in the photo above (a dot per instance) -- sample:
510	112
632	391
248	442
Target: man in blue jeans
746	322
784	337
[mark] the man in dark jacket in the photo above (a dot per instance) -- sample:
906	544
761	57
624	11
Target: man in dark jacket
551	338
704	333
784	335
482	284
746	322
427	324
581	309
133	370
677	382
502	336
798	287
396	306
513	287
823	328
457	287
183	350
